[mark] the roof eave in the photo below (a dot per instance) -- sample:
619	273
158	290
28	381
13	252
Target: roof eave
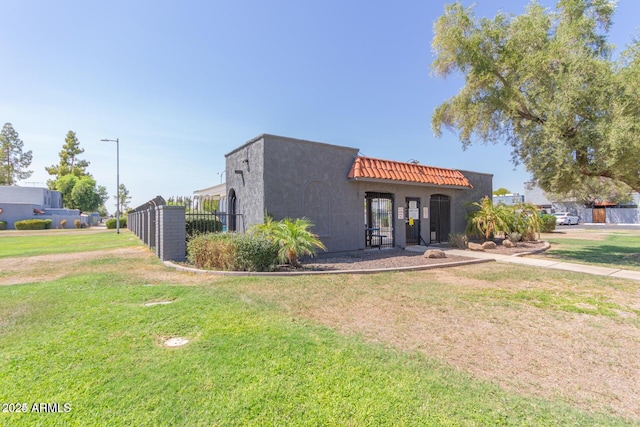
419	184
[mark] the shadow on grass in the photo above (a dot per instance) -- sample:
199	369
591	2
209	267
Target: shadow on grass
611	255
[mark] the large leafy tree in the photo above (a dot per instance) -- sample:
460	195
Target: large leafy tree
545	83
81	193
13	160
86	195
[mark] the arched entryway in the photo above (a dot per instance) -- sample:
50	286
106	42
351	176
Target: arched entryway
440	223
232	211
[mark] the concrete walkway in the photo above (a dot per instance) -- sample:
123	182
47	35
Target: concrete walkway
544	263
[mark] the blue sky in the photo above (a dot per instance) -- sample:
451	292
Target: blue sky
183	83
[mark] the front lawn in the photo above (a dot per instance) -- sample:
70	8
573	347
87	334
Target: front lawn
615	250
269	351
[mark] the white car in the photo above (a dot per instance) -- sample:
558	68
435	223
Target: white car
565	218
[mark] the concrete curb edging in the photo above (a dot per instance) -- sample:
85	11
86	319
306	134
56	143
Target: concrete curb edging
320	272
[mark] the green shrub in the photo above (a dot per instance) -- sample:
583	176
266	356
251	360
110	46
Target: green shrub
548	223
111	223
458	240
255	253
202	224
3	225
33	224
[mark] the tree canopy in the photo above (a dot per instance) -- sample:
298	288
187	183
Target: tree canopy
545	83
69	162
79	189
122	199
81	193
13	161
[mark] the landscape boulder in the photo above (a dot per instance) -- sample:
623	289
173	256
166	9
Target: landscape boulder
475	246
489	245
508	244
435	253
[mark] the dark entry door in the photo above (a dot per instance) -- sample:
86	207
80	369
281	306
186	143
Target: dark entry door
440	223
232	211
412	221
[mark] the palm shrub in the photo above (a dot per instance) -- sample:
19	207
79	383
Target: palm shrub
489	219
526	221
292	238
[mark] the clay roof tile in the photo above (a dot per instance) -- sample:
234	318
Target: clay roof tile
366	167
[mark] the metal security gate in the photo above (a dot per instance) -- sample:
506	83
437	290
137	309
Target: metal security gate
440	224
378	222
412	221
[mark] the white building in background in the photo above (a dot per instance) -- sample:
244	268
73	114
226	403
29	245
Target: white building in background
509	199
217	192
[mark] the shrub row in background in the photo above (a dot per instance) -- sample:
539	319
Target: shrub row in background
3	225
201	224
232	251
111	222
33	224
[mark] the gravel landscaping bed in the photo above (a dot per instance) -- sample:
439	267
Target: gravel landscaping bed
397	258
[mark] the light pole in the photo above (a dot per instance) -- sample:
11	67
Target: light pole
117	141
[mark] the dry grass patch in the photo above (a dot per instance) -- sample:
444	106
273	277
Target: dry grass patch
467	318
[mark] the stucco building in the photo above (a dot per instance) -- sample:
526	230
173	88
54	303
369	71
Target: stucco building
19	203
355	202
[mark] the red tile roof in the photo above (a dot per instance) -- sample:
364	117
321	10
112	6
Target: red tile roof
369	168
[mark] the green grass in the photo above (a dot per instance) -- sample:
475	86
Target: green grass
619	250
88	340
53	242
554	300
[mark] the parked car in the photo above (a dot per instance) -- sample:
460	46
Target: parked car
565	218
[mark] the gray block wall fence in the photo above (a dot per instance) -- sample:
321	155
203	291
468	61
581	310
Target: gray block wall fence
160	227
